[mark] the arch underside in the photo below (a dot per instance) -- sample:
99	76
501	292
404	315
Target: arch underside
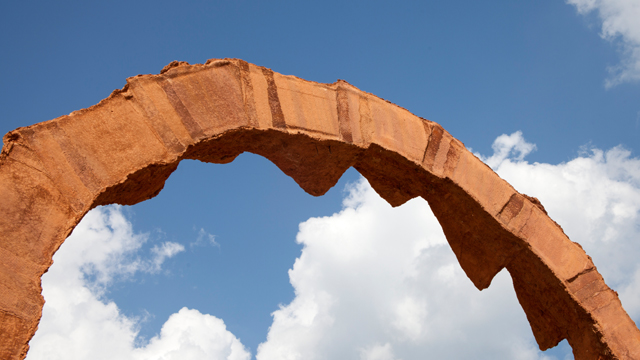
124	148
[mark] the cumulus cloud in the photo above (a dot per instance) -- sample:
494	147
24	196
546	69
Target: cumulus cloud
188	334
374	282
620	25
78	322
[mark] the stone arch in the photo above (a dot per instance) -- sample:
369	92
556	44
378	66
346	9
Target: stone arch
124	148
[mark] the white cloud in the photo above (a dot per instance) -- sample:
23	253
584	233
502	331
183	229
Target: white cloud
620	25
410	316
188	334
507	146
374	282
163	252
79	323
205	238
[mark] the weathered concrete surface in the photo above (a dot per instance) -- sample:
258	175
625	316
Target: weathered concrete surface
124	148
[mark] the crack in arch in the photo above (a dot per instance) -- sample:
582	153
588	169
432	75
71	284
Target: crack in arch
124	148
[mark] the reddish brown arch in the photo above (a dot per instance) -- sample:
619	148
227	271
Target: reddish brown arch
124	148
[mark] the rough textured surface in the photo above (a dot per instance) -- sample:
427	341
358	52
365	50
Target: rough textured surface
124	148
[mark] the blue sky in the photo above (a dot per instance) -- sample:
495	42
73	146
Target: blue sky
566	75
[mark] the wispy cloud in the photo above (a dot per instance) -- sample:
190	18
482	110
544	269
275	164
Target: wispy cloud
205	238
620	26
161	253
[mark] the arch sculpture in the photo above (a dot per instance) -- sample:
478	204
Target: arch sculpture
124	148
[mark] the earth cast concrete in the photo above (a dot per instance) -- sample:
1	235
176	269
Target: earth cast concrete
124	148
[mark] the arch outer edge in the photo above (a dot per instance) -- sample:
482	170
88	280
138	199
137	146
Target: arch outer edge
124	148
